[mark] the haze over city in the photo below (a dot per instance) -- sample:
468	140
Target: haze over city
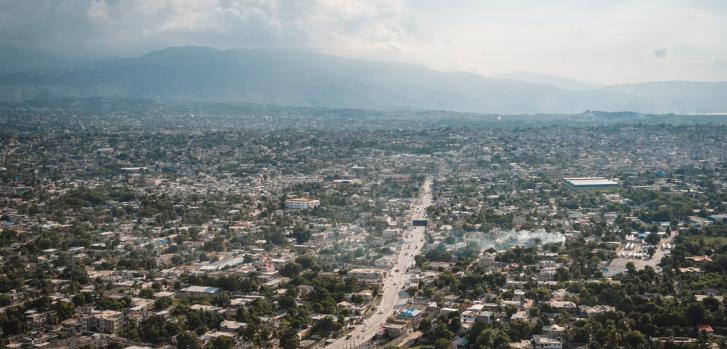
350	174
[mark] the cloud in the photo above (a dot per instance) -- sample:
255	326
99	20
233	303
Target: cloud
592	40
129	27
98	10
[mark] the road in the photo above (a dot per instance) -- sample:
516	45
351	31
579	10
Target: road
412	244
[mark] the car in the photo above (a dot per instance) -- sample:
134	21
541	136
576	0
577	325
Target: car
381	311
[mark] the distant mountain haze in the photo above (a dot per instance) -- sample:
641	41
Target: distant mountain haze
300	78
545	79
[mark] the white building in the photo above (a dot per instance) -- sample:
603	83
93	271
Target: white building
547	343
301	204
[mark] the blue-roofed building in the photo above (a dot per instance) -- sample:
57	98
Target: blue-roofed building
199	291
410	313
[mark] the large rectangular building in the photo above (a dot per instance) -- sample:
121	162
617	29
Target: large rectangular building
301	204
199	291
367	275
590	183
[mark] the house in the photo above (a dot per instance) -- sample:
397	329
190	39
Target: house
71	327
107	321
699	222
471	316
541	342
554	331
719	218
597	309
705	328
690	270
231	326
702	297
390	234
699	259
394	330
563	306
367	275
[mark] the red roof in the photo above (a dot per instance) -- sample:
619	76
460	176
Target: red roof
705	328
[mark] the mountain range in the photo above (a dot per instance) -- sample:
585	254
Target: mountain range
301	78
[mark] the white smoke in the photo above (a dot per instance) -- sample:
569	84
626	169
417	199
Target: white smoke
506	239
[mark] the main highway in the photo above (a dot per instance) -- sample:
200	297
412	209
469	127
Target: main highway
412	244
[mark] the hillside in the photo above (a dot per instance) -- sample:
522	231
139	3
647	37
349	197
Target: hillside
298	78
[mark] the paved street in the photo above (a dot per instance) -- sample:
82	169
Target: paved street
412	243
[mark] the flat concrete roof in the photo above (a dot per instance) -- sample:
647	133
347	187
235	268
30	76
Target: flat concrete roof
587	181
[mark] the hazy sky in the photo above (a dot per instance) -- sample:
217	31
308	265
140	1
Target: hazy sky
599	41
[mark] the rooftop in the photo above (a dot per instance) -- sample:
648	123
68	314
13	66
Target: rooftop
588	181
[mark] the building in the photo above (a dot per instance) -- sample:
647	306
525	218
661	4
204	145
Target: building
563	306
420	222
367	275
199	291
301	204
107	321
554	331
391	234
719	218
699	222
546	343
597	309
394	330
472	316
590	183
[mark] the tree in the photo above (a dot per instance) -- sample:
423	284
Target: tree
425	325
326	326
221	342
579	332
162	303
289	338
291	270
221	300
711	303
441	343
695	312
492	338
630	267
64	310
301	234
652	239
455	324
635	339
187	340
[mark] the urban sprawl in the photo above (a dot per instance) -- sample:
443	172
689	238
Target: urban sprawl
136	225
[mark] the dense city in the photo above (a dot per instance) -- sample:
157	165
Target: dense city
131	224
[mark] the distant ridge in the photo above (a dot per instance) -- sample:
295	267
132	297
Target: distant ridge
301	78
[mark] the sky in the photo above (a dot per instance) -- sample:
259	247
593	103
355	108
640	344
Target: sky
596	41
